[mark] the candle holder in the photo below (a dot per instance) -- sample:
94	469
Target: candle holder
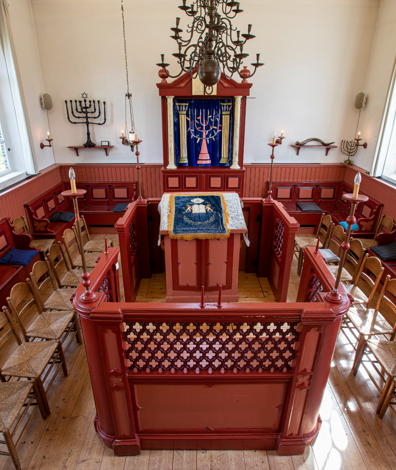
138	167
279	140
42	145
350	148
269	195
335	296
357	140
128	143
88	295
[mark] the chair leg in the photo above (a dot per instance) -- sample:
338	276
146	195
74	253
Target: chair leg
63	360
12	449
78	328
44	398
387	399
300	261
383	393
359	354
39	400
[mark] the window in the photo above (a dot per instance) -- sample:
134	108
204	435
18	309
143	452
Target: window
16	157
384	165
4	163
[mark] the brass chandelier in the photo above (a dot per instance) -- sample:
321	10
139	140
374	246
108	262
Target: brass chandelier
219	46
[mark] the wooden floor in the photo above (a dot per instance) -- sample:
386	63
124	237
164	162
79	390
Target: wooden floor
352	436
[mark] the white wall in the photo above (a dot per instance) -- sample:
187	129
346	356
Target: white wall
383	53
28	59
316	54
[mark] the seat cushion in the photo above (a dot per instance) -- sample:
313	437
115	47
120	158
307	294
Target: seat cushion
385	252
62	217
329	256
18	257
120	207
344	225
308	207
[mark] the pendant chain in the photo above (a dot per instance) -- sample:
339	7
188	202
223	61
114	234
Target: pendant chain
128	95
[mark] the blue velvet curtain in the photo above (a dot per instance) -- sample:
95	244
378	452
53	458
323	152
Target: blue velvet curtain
203	132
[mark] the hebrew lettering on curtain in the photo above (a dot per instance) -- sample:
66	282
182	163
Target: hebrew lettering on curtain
203	132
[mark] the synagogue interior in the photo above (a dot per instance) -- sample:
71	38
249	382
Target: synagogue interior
197	234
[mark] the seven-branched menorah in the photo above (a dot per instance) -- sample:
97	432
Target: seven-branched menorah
88	111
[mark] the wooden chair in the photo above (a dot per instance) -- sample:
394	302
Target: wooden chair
64	276
362	323
369	281
32	360
301	241
333	253
21	227
73	251
355	256
90	245
46	289
16	398
36	323
386	224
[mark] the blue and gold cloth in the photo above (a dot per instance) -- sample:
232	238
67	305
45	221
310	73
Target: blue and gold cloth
199	216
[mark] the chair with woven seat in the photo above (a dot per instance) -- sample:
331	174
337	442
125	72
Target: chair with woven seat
73	251
46	289
64	276
31	360
302	241
355	256
21	227
386	225
333	252
369	281
16	398
90	245
360	323
35	323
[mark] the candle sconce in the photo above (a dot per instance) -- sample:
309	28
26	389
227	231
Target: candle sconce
49	140
129	142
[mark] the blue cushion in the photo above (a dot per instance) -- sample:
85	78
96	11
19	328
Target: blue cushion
120	207
62	217
344	225
20	257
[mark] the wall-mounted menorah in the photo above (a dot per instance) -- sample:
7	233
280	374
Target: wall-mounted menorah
350	148
86	110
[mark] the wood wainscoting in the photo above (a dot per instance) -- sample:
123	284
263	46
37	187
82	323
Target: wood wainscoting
256	181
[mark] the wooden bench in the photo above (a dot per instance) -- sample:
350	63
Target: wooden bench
97	207
10	275
100	200
40	209
328	197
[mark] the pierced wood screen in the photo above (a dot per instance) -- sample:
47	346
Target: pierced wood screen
105	287
132	237
314	287
278	240
210	347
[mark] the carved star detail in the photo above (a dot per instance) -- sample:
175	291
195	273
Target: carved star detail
366	226
84	95
41	226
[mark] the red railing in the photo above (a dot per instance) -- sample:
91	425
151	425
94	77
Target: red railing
126	228
240	376
278	230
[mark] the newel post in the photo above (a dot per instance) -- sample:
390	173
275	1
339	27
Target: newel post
318	332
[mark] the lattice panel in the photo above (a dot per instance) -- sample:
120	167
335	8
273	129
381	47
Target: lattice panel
210	347
105	287
314	287
278	240
132	237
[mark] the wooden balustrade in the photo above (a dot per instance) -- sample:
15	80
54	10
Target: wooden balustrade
239	376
